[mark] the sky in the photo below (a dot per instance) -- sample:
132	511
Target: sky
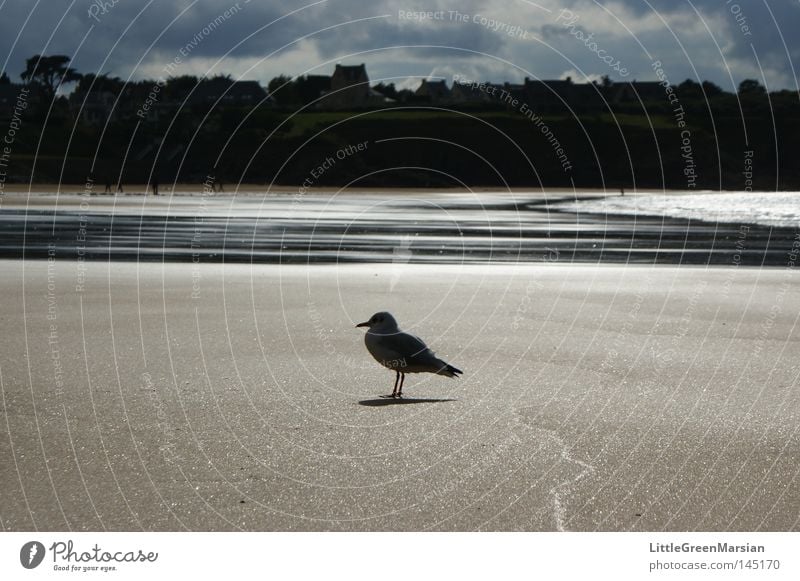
404	41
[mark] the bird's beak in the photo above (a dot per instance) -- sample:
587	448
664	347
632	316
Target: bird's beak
365	324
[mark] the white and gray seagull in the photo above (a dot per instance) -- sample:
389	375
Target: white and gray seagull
401	352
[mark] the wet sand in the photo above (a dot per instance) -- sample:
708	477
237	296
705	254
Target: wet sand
370	227
25	190
145	396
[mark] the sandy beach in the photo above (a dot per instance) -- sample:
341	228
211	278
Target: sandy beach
149	396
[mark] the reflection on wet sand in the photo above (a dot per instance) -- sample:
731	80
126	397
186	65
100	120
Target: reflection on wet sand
388	228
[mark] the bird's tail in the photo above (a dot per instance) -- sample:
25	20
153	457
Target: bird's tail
449	370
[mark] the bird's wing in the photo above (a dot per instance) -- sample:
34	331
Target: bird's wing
407	346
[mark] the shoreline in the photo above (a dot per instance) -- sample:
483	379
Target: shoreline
380	227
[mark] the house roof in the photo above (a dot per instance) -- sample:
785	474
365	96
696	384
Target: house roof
433	88
350	74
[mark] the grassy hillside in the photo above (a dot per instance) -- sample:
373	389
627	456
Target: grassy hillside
428	147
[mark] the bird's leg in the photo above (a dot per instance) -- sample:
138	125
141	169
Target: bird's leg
396	379
402	379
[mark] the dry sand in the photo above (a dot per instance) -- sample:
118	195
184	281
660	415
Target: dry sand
235	397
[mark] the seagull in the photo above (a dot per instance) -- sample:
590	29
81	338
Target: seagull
400	351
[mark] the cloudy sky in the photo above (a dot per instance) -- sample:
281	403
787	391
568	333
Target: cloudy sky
494	40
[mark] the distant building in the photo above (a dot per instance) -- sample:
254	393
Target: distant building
548	94
349	88
588	97
516	91
433	91
467	94
93	107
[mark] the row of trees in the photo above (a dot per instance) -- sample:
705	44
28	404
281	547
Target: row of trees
47	73
202	136
50	73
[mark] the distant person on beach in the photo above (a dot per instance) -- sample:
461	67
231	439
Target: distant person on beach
119	188
216	185
154	185
108	186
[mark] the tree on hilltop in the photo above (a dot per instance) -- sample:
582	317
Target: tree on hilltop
49	73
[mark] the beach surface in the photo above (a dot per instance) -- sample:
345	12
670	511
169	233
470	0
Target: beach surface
183	396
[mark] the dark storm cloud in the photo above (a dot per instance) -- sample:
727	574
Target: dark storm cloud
743	28
121	33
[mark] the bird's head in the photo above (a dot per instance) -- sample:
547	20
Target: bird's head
382	321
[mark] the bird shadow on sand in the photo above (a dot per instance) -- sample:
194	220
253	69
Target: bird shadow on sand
382	401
